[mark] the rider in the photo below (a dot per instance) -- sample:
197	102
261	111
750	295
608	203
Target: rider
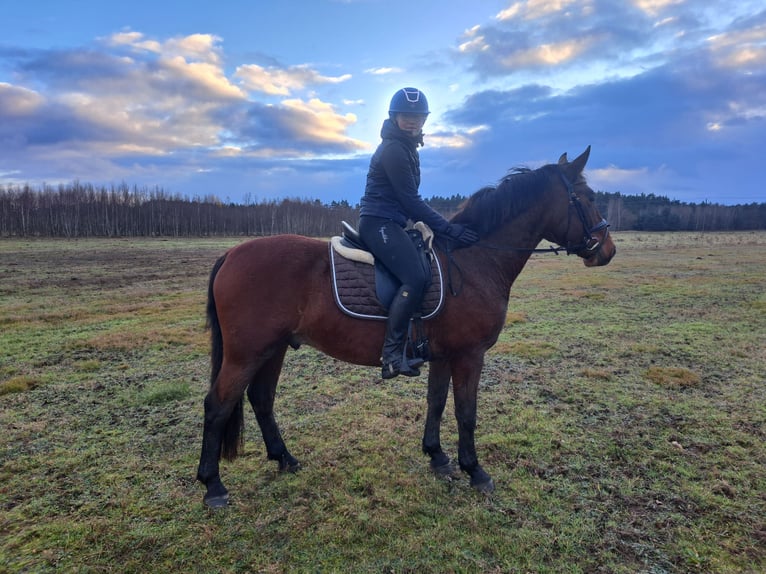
391	198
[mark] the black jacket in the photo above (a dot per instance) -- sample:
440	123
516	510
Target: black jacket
393	181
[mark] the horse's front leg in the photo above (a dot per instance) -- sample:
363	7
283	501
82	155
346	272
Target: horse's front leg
438	389
466	372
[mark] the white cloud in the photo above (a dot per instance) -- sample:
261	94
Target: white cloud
203	75
475	41
283	81
740	48
163	100
533	9
654	7
18	101
383	71
320	123
547	54
458	140
134	40
614	177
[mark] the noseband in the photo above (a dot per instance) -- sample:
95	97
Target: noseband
590	244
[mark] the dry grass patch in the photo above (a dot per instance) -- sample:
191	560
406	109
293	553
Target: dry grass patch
673	377
600	374
644	348
128	339
531	349
513	317
18	384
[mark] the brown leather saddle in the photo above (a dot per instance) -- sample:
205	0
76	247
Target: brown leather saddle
364	288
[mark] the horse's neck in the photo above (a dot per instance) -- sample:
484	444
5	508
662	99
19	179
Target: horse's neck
512	248
494	262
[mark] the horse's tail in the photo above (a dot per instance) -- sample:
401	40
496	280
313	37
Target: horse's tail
232	441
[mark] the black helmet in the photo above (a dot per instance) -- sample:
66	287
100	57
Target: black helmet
408	101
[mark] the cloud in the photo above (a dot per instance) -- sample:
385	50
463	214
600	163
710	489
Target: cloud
690	112
547	54
654	7
19	102
383	71
534	9
538	36
135	103
283	81
743	48
294	128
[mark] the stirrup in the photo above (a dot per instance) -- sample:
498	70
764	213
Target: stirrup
394	368
416	343
391	370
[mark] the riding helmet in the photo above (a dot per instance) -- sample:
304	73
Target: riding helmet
408	101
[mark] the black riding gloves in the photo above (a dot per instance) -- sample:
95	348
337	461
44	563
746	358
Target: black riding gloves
462	234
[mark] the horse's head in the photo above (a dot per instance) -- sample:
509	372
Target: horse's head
586	232
554	201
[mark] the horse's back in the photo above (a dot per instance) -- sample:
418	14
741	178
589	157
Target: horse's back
275	259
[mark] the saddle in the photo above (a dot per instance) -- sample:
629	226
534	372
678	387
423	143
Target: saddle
364	288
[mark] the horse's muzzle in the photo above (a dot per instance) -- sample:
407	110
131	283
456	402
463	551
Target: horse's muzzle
604	253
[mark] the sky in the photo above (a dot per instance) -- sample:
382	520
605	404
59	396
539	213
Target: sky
252	100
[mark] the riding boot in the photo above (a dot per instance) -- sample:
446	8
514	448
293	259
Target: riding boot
394	358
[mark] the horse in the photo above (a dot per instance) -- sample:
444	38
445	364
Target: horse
275	292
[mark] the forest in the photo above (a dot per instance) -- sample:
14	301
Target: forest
84	210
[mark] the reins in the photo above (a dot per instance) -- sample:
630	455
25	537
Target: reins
452	263
552	249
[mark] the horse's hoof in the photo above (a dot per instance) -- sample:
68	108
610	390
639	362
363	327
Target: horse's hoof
293	467
287	463
485	486
445	470
217	502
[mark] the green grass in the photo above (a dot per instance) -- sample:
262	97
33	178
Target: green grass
621	416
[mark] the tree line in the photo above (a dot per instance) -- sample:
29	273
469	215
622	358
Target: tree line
84	210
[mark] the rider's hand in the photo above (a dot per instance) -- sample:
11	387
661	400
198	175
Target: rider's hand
462	234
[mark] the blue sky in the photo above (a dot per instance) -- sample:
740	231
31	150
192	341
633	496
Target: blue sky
260	100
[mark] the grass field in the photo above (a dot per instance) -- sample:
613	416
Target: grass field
621	415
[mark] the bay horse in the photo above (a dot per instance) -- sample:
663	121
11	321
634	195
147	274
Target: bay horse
271	293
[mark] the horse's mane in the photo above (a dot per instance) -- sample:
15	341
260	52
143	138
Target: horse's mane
493	205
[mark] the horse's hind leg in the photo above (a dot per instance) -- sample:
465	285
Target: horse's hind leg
261	393
222	430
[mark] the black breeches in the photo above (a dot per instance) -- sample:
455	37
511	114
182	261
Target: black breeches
391	245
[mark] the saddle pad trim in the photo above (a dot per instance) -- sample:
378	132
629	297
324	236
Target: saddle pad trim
351	313
351	252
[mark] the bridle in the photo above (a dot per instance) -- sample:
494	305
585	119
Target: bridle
585	249
589	244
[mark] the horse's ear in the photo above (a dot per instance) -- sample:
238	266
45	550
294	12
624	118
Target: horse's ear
578	164
563	159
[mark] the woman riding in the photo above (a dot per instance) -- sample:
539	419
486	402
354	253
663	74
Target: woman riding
391	198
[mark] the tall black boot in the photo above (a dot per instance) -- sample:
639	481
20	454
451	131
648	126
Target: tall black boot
394	359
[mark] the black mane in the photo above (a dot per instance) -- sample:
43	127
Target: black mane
493	205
